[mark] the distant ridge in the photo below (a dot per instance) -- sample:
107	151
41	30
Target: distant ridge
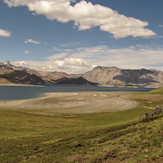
114	76
103	76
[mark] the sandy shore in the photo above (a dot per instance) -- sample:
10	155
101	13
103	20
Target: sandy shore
75	102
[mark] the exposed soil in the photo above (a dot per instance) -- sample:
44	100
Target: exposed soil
77	102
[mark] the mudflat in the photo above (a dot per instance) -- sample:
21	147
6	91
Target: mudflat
76	102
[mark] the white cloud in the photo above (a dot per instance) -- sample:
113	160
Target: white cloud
26	52
33	42
130	57
70	65
5	33
161	25
84	59
86	16
71	44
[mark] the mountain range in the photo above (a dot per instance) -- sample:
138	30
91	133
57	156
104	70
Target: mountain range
102	76
113	76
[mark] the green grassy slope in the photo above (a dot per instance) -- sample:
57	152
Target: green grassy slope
131	142
32	136
157	91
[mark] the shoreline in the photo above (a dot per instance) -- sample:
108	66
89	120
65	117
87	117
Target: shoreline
107	86
75	102
22	85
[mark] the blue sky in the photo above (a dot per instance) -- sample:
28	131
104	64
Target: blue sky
75	36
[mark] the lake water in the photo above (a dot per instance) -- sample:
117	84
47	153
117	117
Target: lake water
8	93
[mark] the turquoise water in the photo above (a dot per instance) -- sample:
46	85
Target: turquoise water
8	93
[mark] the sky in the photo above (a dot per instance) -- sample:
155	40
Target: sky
74	36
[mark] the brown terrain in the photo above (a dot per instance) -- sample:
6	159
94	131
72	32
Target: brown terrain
75	102
102	76
113	76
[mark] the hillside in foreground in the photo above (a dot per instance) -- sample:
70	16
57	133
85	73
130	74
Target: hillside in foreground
133	142
42	135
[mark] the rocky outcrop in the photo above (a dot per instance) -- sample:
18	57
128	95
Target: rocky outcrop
158	110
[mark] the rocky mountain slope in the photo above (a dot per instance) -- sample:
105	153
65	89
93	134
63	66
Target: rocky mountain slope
48	76
10	74
113	76
75	81
108	76
21	77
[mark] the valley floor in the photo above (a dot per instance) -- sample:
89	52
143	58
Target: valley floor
82	127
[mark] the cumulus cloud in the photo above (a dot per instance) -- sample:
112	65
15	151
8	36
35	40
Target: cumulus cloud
80	60
131	57
69	65
86	16
5	33
26	52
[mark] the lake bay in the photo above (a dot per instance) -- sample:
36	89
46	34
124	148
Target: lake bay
8	93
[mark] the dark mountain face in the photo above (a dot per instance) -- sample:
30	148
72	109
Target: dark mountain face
136	76
75	81
48	76
33	79
22	77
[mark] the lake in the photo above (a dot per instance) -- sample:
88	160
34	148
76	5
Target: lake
8	93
